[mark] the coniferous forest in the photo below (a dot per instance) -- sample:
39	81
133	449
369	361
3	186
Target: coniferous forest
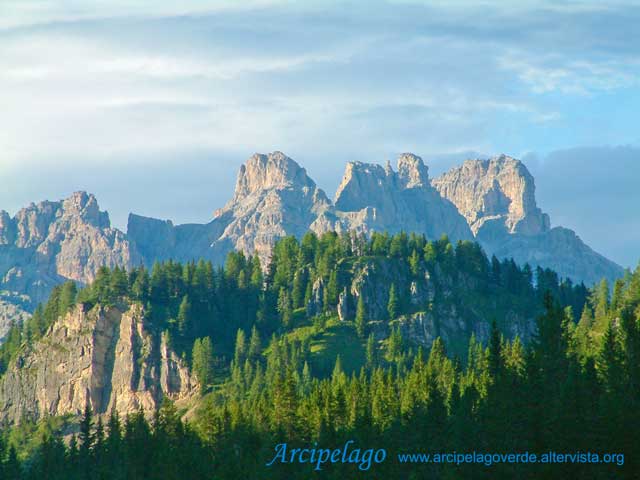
276	364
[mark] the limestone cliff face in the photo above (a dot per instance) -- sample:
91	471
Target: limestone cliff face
274	197
499	190
443	303
49	242
497	198
69	239
105	357
491	201
373	198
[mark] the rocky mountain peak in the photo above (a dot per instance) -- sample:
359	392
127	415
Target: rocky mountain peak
84	206
499	191
363	181
274	170
491	201
371	197
412	171
359	181
49	242
274	197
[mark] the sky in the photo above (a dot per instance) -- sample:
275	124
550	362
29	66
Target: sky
153	106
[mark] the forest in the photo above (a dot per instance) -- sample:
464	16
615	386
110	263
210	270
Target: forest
277	365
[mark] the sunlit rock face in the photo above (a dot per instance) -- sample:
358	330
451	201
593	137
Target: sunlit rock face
106	357
497	198
47	243
373	198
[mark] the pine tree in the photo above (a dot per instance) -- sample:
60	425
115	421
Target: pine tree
495	350
414	263
256	272
583	333
361	320
392	305
67	299
255	346
184	317
12	468
285	403
299	288
202	358
113	446
98	450
617	295
306	378
371	353
610	360
119	283
241	348
284	307
600	301
86	440
394	344
338	376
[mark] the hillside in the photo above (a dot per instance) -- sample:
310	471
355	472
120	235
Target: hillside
117	343
391	341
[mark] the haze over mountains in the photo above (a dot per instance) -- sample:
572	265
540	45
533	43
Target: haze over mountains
491	201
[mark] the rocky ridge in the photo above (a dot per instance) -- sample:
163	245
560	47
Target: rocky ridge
499	190
373	198
497	198
105	357
47	243
491	201
274	197
443	305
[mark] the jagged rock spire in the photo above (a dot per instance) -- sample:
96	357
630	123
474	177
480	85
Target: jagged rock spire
498	189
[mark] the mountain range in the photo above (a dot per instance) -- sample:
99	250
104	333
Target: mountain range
491	201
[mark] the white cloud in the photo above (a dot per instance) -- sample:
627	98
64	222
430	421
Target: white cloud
551	73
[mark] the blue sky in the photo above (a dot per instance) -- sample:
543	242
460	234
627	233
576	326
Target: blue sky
153	106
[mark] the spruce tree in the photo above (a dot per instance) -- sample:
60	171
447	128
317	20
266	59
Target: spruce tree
86	440
361	320
184	316
495	350
284	307
610	360
299	288
241	348
255	346
392	305
371	353
202	358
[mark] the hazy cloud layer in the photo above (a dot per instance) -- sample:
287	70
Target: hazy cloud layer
153	106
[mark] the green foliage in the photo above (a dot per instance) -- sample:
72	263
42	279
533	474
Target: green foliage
573	388
202	358
284	307
361	317
392	305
